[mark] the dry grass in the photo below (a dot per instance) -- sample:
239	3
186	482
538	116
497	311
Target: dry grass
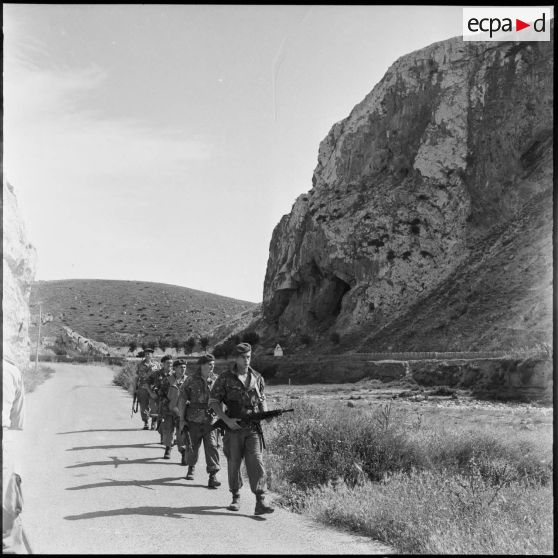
427	512
414	478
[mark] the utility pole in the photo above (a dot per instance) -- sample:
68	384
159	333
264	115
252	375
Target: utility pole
38	338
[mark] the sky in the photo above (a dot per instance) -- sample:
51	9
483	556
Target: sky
164	143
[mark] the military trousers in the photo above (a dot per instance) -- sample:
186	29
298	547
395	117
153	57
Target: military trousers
246	444
201	432
169	430
153	407
142	396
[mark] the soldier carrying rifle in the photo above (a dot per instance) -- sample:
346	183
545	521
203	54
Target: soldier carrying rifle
241	389
169	408
199	419
142	391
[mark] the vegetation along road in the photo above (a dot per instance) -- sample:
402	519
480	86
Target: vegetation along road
95	483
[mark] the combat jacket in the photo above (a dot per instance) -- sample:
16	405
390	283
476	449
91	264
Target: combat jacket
144	371
238	398
155	380
196	392
169	384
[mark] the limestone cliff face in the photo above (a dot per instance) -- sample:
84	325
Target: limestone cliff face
453	140
19	264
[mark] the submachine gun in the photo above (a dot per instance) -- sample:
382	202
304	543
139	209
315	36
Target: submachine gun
253	418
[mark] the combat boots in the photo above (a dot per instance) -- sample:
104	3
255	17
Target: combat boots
213	482
167	452
261	506
145	427
235	504
183	459
190	473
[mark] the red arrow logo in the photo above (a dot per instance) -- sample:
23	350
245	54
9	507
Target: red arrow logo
519	25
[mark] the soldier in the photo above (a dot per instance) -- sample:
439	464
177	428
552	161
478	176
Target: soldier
198	419
241	389
143	393
154	383
170	411
13	401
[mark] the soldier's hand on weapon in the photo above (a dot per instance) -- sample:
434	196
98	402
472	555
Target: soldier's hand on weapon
232	423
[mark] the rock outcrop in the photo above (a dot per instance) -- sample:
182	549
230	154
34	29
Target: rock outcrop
19	265
448	147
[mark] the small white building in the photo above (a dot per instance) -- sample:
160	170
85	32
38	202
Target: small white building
278	351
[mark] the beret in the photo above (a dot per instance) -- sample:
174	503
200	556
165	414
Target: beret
147	350
204	359
165	358
179	362
243	348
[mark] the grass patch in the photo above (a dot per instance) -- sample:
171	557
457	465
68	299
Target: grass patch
124	376
422	486
32	379
438	512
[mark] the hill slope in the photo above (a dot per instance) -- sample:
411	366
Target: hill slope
117	312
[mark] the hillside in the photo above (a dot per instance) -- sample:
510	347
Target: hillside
117	312
428	225
500	298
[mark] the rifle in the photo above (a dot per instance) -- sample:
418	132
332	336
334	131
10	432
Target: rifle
187	438
253	417
134	404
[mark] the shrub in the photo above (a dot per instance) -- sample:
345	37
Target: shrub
422	490
251	337
126	376
305	339
318	445
335	338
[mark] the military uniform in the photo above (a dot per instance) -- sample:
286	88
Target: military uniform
144	371
245	443
199	418
170	423
13	536
155	382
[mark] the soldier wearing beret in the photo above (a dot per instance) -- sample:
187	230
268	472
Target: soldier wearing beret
143	372
241	389
170	412
155	382
199	418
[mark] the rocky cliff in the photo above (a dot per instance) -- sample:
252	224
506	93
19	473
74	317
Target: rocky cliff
19	263
443	155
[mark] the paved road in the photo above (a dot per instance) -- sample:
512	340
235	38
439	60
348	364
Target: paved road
95	483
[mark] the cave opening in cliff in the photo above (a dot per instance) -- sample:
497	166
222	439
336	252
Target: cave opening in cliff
327	301
341	289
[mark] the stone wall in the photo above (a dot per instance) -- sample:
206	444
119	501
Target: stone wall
19	265
525	379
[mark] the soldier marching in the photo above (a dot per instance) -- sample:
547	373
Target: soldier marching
187	410
144	395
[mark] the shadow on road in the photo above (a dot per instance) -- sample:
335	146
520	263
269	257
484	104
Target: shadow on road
102	430
117	461
166	481
174	513
152	445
